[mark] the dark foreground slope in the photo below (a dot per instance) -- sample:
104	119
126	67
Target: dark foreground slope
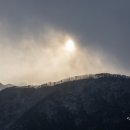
96	103
15	101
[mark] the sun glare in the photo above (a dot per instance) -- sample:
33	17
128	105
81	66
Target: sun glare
70	45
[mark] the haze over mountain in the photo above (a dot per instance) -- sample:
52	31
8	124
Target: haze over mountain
33	34
43	41
93	102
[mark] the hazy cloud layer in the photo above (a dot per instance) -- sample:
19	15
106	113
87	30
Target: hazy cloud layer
101	27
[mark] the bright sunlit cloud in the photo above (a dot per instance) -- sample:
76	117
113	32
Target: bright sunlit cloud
51	57
70	45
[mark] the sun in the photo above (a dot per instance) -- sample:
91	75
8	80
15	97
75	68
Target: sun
70	45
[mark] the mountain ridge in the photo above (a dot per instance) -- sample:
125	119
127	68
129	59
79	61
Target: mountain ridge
92	103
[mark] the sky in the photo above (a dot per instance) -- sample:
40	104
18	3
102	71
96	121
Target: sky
33	34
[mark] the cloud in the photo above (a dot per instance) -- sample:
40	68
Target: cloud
36	60
30	27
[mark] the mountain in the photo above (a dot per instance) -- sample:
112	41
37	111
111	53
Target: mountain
15	101
98	102
2	86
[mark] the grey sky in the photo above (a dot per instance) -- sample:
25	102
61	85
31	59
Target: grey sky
103	25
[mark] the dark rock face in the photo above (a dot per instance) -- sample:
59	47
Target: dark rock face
96	103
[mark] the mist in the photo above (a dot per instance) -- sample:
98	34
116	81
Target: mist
33	35
40	58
